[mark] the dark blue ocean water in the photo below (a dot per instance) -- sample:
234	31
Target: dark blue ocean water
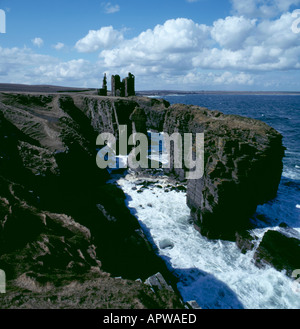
282	112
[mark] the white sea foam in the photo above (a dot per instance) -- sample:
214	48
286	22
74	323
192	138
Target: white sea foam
291	173
162	96
176	95
298	206
215	273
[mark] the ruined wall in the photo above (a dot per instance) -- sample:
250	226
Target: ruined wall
124	88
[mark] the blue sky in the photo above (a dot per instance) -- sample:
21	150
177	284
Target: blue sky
167	44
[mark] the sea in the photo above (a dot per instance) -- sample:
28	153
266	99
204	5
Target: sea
215	273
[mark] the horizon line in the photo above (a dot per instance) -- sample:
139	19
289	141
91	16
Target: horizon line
155	90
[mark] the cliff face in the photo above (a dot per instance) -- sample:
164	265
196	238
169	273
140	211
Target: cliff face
242	163
60	223
60	219
243	157
243	166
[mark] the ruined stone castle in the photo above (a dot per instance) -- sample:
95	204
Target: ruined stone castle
124	88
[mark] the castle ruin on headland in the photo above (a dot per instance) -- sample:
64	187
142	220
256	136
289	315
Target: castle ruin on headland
124	88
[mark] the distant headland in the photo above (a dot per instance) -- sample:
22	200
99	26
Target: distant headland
12	87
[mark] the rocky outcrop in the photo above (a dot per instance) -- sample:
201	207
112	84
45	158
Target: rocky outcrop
97	290
52	189
244	241
59	220
243	166
243	163
243	157
157	282
278	250
38	240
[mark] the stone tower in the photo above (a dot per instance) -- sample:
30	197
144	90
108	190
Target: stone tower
129	85
116	85
125	88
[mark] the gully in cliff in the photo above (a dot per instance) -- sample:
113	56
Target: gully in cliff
184	151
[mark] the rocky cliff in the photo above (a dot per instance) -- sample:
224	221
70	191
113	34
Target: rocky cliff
242	163
62	228
60	220
243	166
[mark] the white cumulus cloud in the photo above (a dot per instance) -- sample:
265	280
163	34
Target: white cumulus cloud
59	46
232	32
168	45
109	8
262	8
255	47
103	38
38	42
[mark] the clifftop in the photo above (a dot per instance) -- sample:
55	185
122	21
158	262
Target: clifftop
60	223
75	223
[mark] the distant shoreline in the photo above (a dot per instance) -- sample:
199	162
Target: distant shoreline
210	92
8	87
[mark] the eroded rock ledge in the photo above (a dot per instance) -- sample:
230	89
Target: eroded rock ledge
243	166
62	228
52	193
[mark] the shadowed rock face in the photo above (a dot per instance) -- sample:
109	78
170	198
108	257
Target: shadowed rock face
243	166
279	250
243	157
52	190
59	220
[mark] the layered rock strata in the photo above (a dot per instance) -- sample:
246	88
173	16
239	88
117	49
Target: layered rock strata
242	168
57	210
60	223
